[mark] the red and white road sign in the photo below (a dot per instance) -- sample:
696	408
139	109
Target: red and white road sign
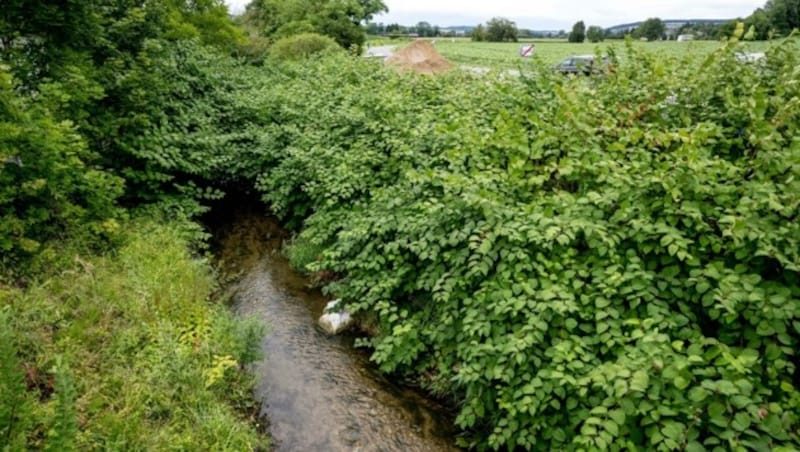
527	50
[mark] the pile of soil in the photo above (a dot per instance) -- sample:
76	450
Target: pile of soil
420	57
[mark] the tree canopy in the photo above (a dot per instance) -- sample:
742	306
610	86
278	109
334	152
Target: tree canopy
340	19
478	33
776	18
578	33
595	34
499	29
784	15
653	29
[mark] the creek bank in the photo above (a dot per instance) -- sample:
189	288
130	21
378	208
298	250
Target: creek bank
317	391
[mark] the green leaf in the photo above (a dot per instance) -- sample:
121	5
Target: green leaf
640	381
611	427
741	421
571	324
681	382
718	415
618	416
697	394
694	446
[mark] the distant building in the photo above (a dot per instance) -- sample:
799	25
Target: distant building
684	38
462	30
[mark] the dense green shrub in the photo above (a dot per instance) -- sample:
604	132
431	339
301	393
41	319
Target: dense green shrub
173	124
302	46
584	263
117	347
146	85
47	189
581	263
127	352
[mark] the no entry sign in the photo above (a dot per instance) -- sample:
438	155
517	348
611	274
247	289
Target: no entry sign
527	50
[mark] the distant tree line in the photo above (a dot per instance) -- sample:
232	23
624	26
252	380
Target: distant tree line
503	30
777	18
422	29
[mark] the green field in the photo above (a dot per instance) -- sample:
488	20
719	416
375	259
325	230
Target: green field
550	52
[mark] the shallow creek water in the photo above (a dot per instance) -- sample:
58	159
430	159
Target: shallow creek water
317	391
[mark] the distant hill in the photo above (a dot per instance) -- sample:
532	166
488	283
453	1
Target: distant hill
671	24
467	29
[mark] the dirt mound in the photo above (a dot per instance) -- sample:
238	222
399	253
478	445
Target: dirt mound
420	57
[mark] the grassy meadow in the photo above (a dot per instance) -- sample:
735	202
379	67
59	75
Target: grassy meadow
505	55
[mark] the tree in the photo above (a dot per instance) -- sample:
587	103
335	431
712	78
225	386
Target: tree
479	33
342	20
578	33
784	15
425	29
501	30
760	23
595	34
653	29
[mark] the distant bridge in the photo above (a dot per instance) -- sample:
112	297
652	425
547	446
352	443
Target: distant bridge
672	25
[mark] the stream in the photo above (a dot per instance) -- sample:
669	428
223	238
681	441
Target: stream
318	392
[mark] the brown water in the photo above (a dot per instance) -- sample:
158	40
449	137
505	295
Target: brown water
318	392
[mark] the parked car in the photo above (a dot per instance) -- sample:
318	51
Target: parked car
582	64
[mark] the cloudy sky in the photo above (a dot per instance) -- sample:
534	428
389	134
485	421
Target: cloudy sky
554	14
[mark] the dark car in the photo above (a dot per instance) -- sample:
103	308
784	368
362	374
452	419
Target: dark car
582	64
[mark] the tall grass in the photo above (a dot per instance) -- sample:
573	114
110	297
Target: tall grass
127	351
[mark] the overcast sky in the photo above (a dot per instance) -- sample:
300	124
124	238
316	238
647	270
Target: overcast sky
554	14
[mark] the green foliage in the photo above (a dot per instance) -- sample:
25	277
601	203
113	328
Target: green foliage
302	253
784	15
578	33
652	29
137	81
340	20
760	23
53	32
47	190
595	34
302	46
594	263
154	363
478	33
139	92
15	403
171	124
500	29
206	20
64	429
582	263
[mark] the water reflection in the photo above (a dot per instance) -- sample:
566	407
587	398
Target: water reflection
317	391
